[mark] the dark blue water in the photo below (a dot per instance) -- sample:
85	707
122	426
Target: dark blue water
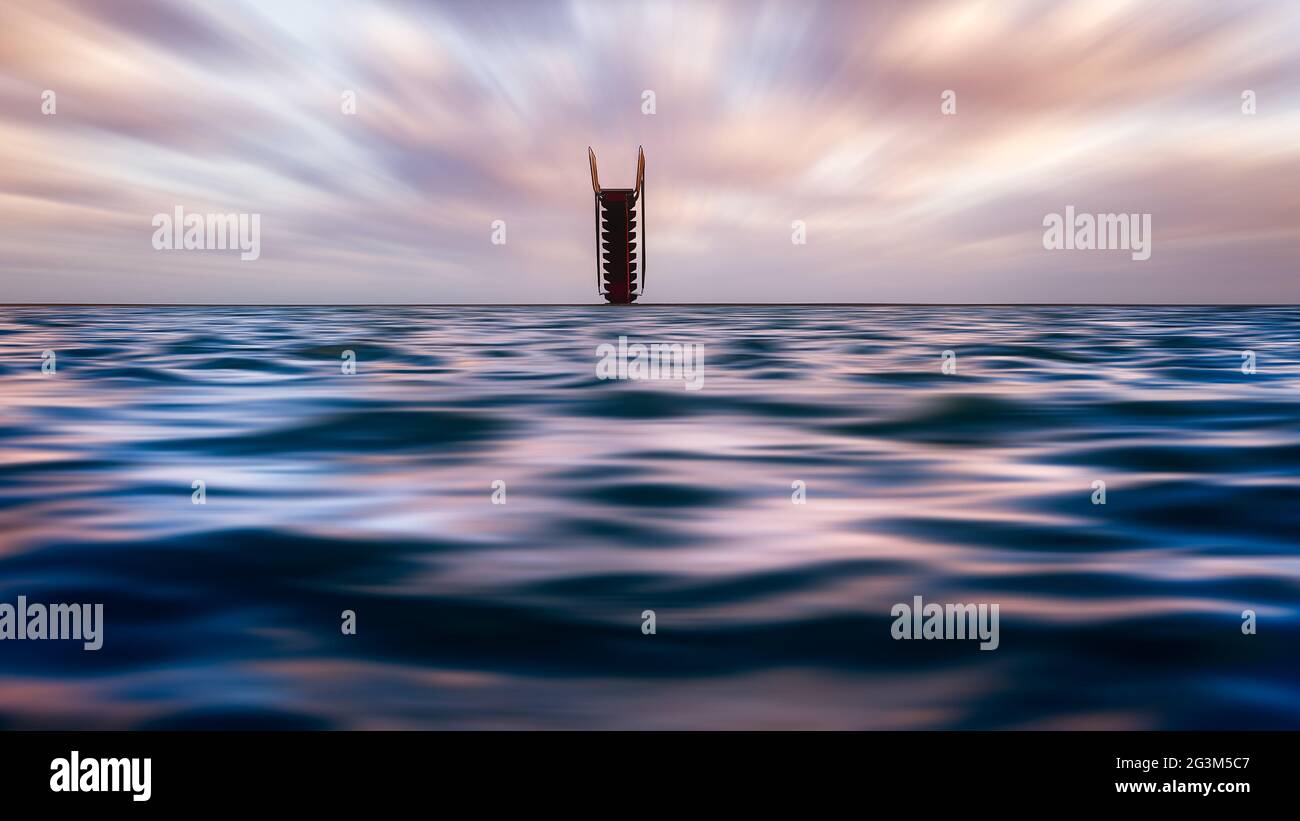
373	492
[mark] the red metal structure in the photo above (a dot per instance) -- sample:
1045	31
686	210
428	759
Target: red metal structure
620	275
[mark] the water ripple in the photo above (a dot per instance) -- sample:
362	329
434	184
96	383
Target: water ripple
373	492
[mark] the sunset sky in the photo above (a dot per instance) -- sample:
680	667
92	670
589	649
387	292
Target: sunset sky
766	113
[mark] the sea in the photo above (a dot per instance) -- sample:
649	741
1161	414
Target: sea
445	517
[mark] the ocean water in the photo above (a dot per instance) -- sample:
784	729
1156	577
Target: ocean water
373	493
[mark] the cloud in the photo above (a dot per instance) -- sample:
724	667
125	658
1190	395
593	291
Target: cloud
765	113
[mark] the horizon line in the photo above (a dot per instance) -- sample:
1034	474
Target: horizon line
633	306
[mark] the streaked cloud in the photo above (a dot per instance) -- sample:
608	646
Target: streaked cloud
766	113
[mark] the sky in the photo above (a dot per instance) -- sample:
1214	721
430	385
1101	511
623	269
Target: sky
766	115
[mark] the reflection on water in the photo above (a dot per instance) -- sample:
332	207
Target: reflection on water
371	492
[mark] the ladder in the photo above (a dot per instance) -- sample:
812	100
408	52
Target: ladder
620	275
